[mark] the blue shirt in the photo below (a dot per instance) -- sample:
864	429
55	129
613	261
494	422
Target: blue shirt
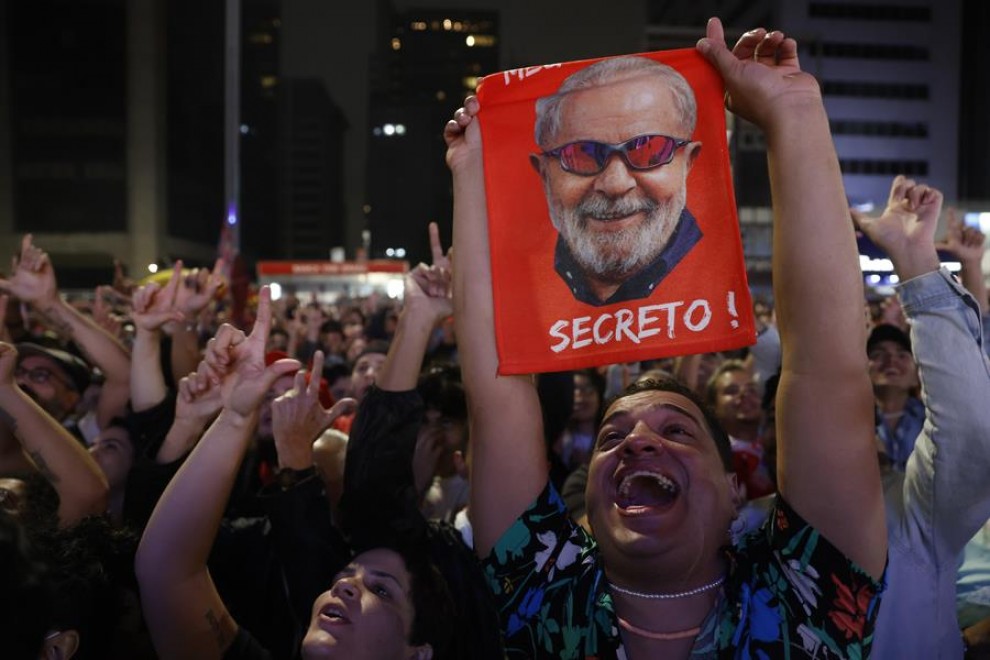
899	443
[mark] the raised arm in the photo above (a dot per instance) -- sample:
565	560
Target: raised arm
153	306
183	610
426	302
944	486
509	466
827	466
194	293
381	476
33	281
197	402
81	486
967	244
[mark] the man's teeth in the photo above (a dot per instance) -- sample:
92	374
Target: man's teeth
661	480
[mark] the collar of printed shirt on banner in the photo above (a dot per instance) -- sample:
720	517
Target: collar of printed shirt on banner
701	305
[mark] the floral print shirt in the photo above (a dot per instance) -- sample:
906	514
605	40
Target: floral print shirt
789	593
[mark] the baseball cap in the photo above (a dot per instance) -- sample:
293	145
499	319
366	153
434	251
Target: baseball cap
77	371
887	332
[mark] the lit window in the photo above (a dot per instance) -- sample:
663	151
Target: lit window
396	43
480	40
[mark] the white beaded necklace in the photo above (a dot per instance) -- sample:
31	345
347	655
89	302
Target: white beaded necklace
680	594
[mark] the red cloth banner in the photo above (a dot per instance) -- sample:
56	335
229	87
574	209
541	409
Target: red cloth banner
612	220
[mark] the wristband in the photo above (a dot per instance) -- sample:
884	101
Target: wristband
287	478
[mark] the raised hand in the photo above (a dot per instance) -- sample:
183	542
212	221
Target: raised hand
762	73
154	305
428	288
197	289
462	134
964	242
236	361
198	398
906	228
32	276
121	282
298	418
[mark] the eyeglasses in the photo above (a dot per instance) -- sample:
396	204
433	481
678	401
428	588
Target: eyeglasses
644	152
38	375
9	500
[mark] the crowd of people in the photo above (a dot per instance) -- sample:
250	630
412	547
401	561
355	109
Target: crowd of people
356	481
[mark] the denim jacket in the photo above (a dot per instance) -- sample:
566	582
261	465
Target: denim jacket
943	497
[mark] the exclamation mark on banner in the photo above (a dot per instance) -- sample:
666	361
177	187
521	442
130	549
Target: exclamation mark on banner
730	301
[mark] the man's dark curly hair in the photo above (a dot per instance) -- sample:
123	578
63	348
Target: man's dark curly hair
89	563
26	606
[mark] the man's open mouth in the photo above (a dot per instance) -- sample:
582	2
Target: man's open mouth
641	491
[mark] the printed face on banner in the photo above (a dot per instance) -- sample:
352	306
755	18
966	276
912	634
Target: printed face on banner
606	253
614	166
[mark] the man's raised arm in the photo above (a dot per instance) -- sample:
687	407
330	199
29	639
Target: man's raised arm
944	486
827	461
509	467
81	486
33	281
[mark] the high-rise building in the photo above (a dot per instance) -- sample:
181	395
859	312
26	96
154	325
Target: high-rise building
112	130
428	60
196	69
64	120
974	105
311	203
259	147
890	76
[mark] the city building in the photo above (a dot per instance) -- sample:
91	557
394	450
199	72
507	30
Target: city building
427	61
112	131
311	173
